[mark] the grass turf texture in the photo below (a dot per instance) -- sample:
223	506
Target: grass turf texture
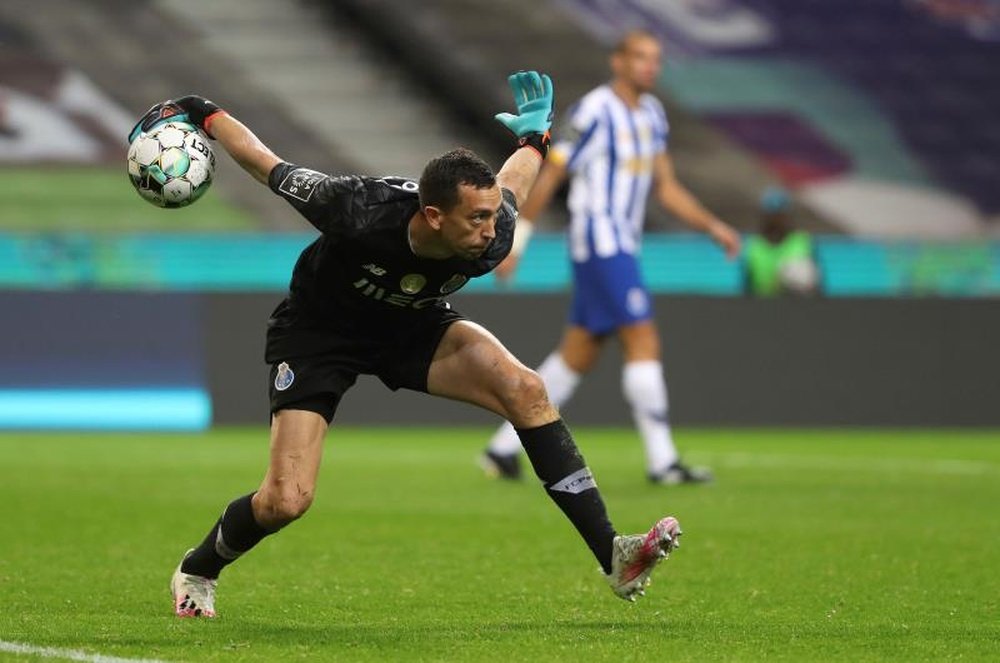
812	545
101	199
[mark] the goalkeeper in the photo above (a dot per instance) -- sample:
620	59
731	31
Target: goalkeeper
369	297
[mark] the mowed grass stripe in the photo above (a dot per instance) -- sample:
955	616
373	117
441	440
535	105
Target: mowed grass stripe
821	549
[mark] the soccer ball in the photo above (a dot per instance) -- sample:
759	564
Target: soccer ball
171	165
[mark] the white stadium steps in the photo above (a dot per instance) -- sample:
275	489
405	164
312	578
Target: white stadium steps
344	91
136	55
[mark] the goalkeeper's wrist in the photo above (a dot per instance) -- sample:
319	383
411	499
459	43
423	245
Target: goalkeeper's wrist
207	124
539	142
523	231
201	112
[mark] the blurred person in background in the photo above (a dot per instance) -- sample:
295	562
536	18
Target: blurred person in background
369	296
614	149
780	260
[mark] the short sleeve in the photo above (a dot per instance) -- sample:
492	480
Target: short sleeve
504	240
332	204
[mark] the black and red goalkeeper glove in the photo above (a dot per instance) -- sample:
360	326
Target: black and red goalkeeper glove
193	109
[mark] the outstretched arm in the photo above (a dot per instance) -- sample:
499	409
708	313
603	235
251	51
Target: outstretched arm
534	97
549	180
245	148
519	173
675	197
242	145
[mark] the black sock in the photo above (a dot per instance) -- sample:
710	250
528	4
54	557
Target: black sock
569	483
239	533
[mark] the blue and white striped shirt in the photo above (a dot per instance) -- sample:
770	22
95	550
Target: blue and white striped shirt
608	152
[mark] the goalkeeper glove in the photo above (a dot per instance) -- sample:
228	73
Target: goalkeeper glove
193	109
535	100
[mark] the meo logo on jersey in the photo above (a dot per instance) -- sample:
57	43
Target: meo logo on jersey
366	288
285	377
301	182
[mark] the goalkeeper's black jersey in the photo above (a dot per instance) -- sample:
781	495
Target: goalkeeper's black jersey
360	274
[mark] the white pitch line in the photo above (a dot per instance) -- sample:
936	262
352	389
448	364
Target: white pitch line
71	654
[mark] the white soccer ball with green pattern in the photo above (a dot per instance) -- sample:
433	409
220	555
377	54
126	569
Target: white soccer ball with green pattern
172	165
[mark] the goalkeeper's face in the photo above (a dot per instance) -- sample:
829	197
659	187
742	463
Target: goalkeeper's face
638	62
470	226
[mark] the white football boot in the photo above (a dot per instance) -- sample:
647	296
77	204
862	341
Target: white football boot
634	556
194	596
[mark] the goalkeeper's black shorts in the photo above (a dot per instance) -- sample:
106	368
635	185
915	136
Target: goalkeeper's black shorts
314	364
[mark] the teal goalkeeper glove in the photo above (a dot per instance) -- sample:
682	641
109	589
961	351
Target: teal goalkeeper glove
535	100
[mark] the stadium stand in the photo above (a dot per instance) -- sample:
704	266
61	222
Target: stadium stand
877	118
465	50
878	112
345	91
934	79
138	55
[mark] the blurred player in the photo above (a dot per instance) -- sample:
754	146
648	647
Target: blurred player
368	297
615	149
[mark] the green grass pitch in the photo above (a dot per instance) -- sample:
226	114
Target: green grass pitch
102	199
811	546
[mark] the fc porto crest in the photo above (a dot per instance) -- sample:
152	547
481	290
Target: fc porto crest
637	301
285	377
411	284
